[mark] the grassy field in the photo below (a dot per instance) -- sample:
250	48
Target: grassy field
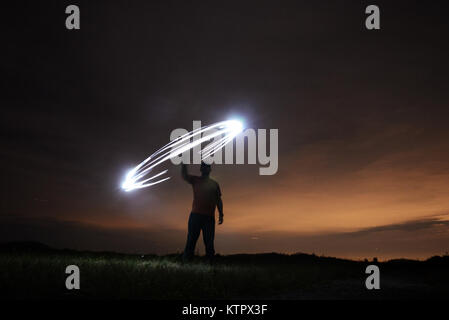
36	271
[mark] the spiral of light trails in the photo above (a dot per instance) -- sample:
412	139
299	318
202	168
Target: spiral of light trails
139	177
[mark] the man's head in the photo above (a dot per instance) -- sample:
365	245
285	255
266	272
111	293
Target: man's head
205	169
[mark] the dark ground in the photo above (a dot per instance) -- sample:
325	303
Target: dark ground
33	270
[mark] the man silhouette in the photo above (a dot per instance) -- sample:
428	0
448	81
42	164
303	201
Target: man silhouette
206	196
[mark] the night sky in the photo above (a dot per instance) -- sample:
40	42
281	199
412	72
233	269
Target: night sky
363	119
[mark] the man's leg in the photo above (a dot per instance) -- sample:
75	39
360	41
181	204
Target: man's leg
208	235
194	228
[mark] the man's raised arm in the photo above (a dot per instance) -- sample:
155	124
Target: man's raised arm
185	174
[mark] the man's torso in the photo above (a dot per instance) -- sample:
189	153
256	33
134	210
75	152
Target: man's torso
206	193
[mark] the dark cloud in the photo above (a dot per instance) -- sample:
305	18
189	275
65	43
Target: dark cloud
409	226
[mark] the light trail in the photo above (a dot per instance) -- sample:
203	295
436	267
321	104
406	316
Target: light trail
139	177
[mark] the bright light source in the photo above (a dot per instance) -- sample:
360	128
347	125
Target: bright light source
127	184
235	126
